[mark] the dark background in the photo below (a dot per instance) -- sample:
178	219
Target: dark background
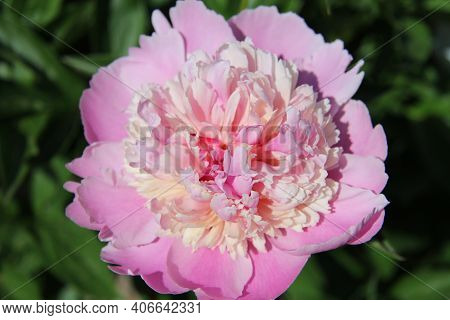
406	88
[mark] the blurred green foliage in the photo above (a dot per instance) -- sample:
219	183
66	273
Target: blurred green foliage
406	88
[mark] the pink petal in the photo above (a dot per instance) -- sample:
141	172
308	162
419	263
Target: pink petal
163	283
98	158
121	208
352	210
370	229
141	260
203	29
217	274
376	144
239	164
159	22
149	261
357	134
325	70
111	88
284	34
273	272
362	172
75	210
201	295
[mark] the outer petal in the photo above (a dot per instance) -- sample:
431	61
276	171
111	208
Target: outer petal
148	260
357	134
201	295
284	34
201	28
121	209
216	273
273	273
159	22
325	71
163	283
376	144
75	210
98	159
111	89
362	172
370	229
352	210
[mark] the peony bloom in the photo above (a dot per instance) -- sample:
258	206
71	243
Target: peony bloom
223	154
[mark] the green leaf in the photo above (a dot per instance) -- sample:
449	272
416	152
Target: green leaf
21	265
432	284
26	44
14	70
69	27
12	154
85	66
384	248
41	12
417	42
70	293
309	284
11	279
348	261
435	4
31	127
128	20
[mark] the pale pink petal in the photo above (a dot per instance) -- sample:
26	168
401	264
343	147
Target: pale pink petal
162	282
147	260
352	209
273	273
201	295
138	260
111	88
360	171
286	34
216	273
203	29
97	159
75	210
376	144
121	209
159	22
369	230
357	134
325	70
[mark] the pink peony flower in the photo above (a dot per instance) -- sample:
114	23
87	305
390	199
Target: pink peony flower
223	154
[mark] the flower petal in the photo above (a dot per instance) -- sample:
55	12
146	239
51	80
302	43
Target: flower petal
121	209
137	260
376	144
103	105
352	210
162	282
97	159
370	229
149	261
159	22
362	172
357	134
203	29
273	272
285	35
325	71
75	210
216	273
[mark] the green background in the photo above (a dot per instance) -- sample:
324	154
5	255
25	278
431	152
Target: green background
406	88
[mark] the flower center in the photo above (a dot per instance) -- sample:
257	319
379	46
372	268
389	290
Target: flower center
231	151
